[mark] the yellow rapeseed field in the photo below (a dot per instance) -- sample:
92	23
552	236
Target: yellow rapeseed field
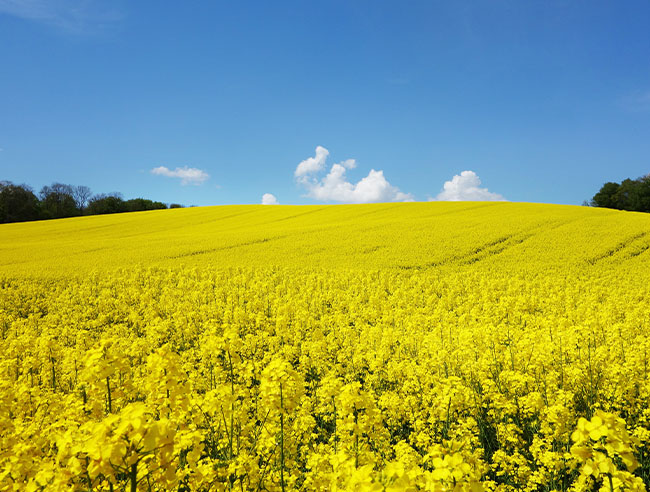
388	347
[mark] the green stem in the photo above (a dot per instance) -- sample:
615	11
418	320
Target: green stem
134	477
335	439
611	482
281	439
356	439
53	372
108	389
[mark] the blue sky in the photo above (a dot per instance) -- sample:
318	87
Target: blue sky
539	101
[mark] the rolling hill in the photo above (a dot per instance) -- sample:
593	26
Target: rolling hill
395	235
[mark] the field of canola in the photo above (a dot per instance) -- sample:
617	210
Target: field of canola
389	347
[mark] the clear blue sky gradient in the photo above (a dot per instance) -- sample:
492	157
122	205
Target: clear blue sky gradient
544	100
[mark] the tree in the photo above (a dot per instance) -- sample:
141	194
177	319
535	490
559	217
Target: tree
625	197
106	204
140	204
17	203
644	193
605	197
81	195
630	194
57	201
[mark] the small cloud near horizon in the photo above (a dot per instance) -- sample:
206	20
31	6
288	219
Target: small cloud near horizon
269	199
187	175
336	187
466	186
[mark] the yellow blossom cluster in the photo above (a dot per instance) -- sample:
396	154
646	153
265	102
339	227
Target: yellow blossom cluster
492	370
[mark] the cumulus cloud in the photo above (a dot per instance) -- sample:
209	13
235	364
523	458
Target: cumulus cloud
336	187
269	199
312	164
466	186
187	175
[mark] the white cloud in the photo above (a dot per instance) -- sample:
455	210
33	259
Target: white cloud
187	175
269	199
349	163
466	187
76	16
335	186
312	164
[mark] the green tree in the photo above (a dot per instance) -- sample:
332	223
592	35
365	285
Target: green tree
140	204
57	201
643	191
17	203
630	194
605	197
626	196
106	204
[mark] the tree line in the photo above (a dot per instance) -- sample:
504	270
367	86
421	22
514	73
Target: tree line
630	194
19	203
